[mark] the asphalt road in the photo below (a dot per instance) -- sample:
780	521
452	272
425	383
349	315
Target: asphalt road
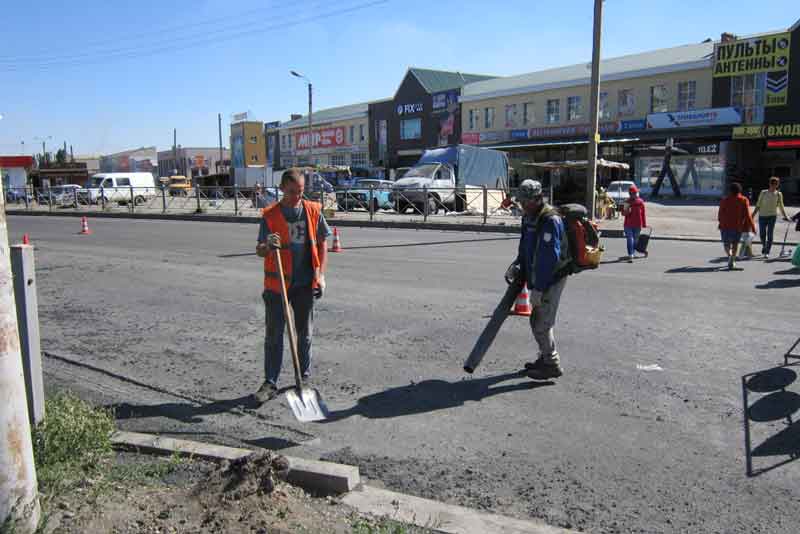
170	317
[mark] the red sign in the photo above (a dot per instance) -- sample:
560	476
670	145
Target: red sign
323	138
784	143
124	163
470	138
9	162
199	161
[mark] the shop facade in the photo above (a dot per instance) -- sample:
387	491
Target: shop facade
424	113
761	76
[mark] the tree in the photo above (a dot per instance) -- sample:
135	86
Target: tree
61	156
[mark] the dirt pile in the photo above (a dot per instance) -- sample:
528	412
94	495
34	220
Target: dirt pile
236	480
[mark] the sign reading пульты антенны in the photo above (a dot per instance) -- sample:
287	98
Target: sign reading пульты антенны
768	54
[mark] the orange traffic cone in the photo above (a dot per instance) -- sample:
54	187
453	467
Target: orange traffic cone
85	226
337	243
523	304
26	240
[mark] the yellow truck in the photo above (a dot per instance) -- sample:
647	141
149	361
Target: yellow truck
179	186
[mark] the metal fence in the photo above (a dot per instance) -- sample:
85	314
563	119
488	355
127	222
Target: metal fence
473	204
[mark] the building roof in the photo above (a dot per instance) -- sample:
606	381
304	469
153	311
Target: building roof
679	58
325	116
436	81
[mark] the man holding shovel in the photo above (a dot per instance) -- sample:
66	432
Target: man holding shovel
537	264
298	229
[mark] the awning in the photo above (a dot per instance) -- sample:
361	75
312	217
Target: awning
577	164
561	143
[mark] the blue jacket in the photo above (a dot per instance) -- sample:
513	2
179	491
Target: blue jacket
545	234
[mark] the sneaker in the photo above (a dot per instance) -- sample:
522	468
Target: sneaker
267	391
630	259
539	370
731	263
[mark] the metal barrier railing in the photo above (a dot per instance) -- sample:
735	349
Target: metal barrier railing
443	204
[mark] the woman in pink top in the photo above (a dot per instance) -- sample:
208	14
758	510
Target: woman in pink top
635	219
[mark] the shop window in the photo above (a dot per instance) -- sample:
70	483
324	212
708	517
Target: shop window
687	95
338	159
574	112
602	107
747	94
411	129
626	102
553	111
488	118
659	101
511	116
528	116
358	159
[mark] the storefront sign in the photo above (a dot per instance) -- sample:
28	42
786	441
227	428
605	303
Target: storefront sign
240	117
769	131
470	138
571	131
409	109
769	53
784	143
442	101
777	89
323	138
490	137
519	134
697	117
712	148
272	125
630	126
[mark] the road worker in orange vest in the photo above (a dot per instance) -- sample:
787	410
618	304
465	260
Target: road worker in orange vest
298	228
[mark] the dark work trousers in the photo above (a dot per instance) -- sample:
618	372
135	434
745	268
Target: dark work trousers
302	303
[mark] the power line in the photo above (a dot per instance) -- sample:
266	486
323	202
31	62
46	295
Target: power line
131	54
159	33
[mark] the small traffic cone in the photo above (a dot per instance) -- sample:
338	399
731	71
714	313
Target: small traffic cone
523	304
26	240
337	243
85	226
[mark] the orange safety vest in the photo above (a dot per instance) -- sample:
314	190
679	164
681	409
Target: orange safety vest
277	224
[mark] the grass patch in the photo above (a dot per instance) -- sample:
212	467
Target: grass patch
72	442
385	526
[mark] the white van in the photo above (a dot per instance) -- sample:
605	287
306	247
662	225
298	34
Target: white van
120	187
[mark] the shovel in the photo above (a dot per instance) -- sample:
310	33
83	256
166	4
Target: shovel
306	403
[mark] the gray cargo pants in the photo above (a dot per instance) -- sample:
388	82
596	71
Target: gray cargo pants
544	318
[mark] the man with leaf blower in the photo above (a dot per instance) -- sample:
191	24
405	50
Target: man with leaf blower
298	229
540	262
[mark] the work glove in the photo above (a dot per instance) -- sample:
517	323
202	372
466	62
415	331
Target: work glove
274	241
261	250
320	289
512	273
536	298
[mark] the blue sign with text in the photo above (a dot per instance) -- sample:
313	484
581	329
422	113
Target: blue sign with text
519	134
628	126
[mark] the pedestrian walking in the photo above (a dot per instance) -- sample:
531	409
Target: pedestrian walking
259	198
298	228
770	201
635	219
538	261
734	219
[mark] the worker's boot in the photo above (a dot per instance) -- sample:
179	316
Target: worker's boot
541	370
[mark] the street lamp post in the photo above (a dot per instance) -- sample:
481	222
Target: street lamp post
310	135
594	98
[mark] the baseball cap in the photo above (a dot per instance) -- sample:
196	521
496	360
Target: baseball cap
633	189
529	189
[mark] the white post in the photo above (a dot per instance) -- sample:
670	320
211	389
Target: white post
19	501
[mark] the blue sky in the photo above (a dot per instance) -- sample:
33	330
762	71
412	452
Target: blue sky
106	76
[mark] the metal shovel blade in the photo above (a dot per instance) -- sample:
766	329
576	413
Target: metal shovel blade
307	404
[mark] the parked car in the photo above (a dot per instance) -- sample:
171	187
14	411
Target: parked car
120	187
618	191
359	196
18	195
61	195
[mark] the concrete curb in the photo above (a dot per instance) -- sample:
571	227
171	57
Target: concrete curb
439	516
329	477
312	475
405	225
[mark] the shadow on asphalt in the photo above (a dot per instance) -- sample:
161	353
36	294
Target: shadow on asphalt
690	270
182	411
777	405
793	270
432	395
780	284
428	243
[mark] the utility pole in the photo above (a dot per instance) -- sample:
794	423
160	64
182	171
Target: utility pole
594	99
175	149
19	501
219	123
310	134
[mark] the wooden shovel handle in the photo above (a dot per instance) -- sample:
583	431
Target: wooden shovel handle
288	315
